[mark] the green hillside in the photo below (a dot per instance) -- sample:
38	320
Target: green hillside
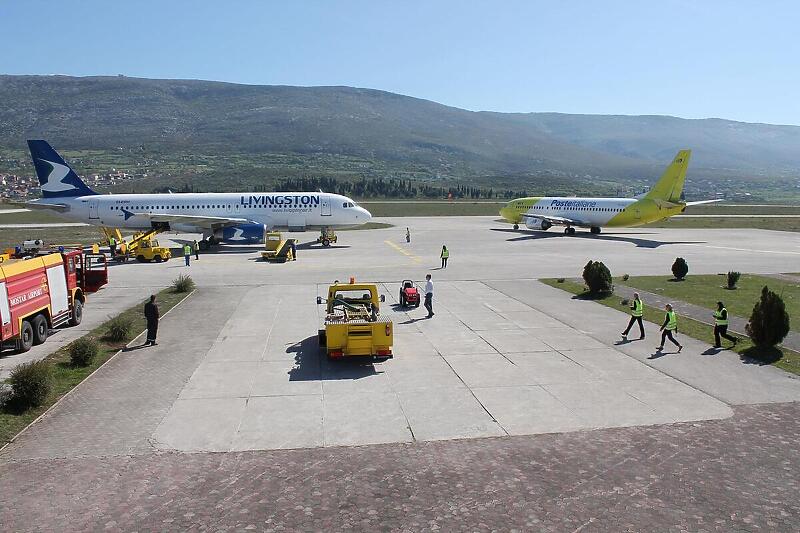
221	135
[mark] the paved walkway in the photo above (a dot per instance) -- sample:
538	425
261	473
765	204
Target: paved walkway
737	474
701	314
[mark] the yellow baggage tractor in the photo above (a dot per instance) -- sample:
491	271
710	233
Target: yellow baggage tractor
353	323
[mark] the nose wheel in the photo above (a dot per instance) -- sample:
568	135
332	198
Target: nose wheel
569	230
516	227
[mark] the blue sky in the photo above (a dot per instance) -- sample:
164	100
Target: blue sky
695	59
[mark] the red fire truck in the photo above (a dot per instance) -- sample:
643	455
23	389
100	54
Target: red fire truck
45	292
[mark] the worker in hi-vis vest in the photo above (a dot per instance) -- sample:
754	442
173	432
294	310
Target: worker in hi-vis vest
112	245
187	253
445	255
637	310
669	327
721	326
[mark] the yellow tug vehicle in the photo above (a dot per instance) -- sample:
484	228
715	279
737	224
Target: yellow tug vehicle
353	323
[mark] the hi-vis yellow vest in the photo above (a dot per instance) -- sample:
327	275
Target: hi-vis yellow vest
638	308
187	250
718	320
445	254
672	321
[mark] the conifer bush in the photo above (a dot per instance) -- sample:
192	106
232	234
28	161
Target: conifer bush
597	278
733	279
680	268
769	322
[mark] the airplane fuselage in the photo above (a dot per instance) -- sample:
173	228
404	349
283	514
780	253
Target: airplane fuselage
590	212
291	211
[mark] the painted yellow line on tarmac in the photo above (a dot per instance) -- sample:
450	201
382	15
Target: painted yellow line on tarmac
403	251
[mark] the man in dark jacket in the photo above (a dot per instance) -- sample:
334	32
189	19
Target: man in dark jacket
151	315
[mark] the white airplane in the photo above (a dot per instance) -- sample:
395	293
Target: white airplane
220	217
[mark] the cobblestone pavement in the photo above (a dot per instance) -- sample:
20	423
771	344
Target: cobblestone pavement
736	474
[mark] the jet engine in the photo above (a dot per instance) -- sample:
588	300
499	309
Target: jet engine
241	234
538	223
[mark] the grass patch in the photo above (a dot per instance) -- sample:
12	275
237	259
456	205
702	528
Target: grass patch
781	357
66	375
706	290
755	222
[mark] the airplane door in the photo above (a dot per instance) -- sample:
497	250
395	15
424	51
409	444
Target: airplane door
325	206
93	211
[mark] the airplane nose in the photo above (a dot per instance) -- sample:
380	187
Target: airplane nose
365	214
504	212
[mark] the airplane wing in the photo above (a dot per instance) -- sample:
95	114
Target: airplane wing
704	202
557	221
41	205
206	222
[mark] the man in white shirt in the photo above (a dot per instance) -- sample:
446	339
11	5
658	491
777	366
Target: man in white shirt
429	295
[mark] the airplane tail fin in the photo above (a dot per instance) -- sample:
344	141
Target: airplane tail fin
56	177
670	186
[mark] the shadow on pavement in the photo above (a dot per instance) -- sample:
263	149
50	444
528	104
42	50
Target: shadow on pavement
761	356
312	245
311	364
619	237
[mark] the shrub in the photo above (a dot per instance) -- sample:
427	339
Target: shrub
625	277
680	268
183	283
769	322
560	280
83	351
733	279
30	384
597	278
119	328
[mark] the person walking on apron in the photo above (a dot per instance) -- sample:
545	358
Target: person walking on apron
637	310
445	256
669	327
429	295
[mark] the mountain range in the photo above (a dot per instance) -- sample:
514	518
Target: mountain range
219	118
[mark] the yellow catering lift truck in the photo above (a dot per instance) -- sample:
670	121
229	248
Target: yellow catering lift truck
353	324
142	246
278	250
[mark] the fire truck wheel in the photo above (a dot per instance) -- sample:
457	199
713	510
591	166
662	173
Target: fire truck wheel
326	242
40	329
77	314
25	341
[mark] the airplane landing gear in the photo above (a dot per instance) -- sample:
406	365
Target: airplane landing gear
595	230
569	230
207	243
516	227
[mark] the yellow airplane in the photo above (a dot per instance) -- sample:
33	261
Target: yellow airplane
662	201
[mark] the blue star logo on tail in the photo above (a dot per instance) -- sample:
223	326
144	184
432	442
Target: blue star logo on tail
127	214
